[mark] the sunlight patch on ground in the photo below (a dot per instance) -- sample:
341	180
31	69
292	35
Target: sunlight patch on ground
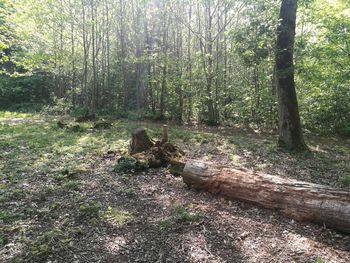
199	251
114	244
117	216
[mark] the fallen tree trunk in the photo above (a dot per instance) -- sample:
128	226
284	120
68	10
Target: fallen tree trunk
295	199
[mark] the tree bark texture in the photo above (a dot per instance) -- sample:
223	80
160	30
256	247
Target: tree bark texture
295	199
140	141
290	134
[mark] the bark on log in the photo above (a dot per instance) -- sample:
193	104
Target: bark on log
295	199
140	141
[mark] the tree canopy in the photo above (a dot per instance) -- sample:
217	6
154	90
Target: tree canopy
205	60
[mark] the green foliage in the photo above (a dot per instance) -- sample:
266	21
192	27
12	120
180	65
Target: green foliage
183	214
49	242
165	225
323	66
59	106
24	93
3	241
72	185
139	115
8	217
40	56
343	128
89	210
345	180
318	260
128	191
130	164
17	194
118	216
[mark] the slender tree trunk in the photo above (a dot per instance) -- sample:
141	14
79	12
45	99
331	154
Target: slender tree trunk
225	49
124	88
209	43
207	59
60	67
140	64
73	80
85	99
290	133
164	68
94	69
189	55
108	64
178	89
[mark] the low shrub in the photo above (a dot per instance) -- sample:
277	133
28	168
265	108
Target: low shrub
130	164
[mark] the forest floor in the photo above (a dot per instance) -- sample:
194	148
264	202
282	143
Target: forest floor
62	201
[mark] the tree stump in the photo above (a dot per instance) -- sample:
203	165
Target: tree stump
140	141
165	134
154	154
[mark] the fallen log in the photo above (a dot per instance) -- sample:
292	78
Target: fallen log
295	199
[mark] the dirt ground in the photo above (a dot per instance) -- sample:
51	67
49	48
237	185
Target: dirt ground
94	214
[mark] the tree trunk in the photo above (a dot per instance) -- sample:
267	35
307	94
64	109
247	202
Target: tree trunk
165	71
123	57
94	59
290	134
189	67
299	200
140	64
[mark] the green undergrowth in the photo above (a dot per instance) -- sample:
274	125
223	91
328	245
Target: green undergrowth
43	166
130	164
117	215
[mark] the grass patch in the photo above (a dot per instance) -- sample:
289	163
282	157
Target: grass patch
185	215
72	185
127	190
17	194
3	241
11	114
36	158
118	216
318	260
7	217
235	159
165	225
89	210
130	165
48	243
345	180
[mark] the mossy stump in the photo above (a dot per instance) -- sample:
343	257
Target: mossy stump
156	154
140	141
